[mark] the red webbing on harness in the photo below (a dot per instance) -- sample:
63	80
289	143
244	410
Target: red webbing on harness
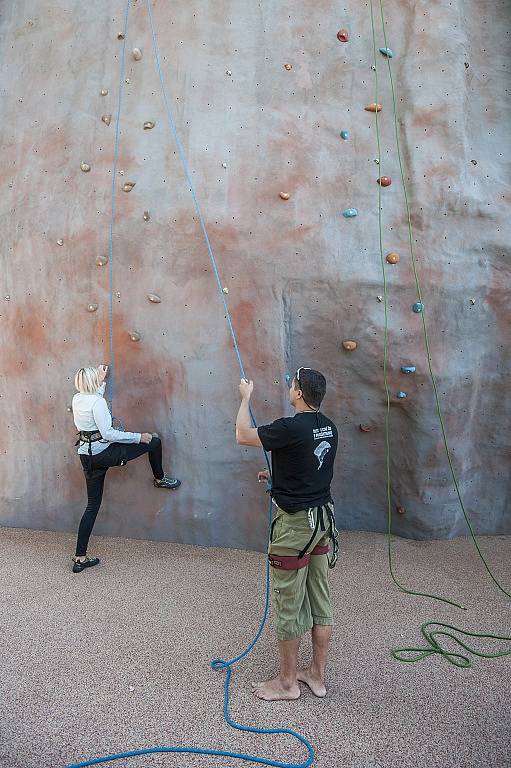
293	562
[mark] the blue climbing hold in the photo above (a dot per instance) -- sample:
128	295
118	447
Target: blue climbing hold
387	52
401	395
418	307
349	213
345	135
408	369
288	378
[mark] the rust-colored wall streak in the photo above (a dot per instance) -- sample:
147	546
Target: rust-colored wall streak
301	278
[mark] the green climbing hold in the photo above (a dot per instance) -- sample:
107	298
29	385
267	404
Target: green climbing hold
345	135
418	307
387	52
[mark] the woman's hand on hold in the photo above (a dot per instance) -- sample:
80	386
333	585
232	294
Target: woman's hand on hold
263	476
146	437
102	372
246	389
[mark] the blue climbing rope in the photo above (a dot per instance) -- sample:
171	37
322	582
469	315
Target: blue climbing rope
122	67
216	664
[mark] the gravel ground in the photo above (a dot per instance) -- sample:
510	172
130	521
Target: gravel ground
117	657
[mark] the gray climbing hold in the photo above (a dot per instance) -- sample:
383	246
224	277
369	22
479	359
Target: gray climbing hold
85	167
92	307
101	260
146	216
387	52
107	119
128	186
418	307
225	290
149	124
154	298
60	241
228	72
380	298
350	213
401	395
137	54
345	135
118	294
103	92
120	35
408	369
373	67
135	336
472	301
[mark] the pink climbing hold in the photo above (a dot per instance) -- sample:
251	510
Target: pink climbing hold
384	181
343	35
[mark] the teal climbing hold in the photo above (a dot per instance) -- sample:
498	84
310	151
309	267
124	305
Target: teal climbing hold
418	307
349	213
387	52
401	395
408	369
345	135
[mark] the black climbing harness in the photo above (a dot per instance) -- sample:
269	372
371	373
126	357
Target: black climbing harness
85	437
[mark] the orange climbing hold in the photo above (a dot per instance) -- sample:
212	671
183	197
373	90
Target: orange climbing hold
364	428
288	67
392	258
349	345
400	510
284	195
373	107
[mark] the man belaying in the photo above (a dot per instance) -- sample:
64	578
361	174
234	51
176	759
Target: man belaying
100	446
303	450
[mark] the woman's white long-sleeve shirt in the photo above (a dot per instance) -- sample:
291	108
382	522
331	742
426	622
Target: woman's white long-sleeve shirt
91	413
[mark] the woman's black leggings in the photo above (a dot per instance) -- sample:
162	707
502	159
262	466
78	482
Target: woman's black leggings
113	456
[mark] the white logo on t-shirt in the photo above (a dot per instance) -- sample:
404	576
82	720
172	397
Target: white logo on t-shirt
322	432
321	451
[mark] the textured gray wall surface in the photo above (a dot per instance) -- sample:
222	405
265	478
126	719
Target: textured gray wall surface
301	278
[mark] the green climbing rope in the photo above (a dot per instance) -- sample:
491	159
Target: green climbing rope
414	654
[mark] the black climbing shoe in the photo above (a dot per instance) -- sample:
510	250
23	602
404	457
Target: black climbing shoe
167	482
89	562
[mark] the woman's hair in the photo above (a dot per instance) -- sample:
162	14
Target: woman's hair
87	380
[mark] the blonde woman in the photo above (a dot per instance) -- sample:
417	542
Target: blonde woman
100	446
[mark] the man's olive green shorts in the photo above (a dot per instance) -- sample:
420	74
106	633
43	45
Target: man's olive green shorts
301	598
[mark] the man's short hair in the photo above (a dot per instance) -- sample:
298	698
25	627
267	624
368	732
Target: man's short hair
312	384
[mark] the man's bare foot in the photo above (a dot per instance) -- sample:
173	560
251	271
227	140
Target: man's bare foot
316	685
274	690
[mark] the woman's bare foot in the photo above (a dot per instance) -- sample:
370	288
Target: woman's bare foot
275	690
315	683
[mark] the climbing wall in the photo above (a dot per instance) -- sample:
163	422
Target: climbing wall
261	93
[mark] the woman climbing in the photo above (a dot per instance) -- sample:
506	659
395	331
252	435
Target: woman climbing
100	446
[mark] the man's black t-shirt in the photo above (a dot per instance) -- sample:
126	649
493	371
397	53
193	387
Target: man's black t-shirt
303	450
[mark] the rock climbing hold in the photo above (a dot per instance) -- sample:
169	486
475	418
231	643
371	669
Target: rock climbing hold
154	298
387	52
418	307
137	54
69	409
384	181
399	509
276	382
118	294
146	216
103	92
225	290
474	162
127	81
60	241
364	427
92	307
284	195
121	172
377	160
149	124
380	298
408	369
224	165
392	258
373	67
467	65
288	378
373	107
343	35
401	395
349	345
7	297
107	119
288	66
350	213
345	135
101	260
228	72
128	186
135	336
472	301
85	167
120	35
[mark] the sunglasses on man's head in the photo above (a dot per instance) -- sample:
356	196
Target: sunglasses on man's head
297	375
